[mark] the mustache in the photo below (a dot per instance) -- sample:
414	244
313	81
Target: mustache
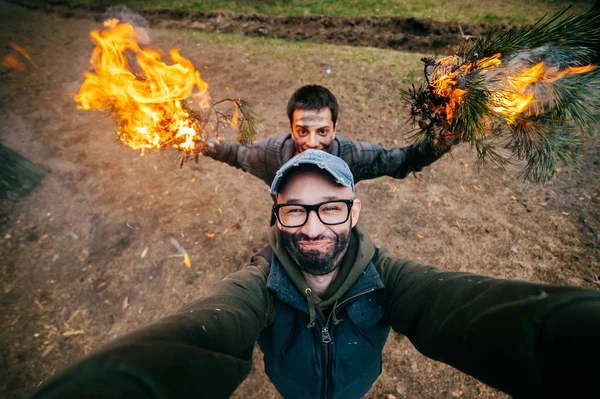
300	237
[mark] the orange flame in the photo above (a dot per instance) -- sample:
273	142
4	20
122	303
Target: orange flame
234	118
518	98
510	102
147	102
490	62
444	81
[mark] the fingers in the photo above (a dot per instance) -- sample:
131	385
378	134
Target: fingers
203	147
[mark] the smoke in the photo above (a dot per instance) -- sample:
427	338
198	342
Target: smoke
127	16
550	85
553	57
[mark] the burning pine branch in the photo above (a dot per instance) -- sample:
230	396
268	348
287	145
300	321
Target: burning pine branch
530	90
155	105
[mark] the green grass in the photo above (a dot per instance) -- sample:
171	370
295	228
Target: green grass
486	11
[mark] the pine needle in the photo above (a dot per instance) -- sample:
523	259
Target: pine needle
530	90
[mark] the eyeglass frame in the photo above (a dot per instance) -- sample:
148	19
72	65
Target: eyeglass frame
349	203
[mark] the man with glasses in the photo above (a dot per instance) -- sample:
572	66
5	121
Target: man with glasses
313	112
321	301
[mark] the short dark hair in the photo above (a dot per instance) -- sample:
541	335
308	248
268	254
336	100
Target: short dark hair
313	97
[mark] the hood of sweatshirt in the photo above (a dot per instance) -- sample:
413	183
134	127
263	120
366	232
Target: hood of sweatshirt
358	255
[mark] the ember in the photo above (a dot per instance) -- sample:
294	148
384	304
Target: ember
11	61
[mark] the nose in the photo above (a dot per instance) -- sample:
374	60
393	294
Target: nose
313	226
312	142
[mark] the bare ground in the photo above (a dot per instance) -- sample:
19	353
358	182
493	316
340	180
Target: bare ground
88	252
383	32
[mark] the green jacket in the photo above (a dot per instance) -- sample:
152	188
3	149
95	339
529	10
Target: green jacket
366	161
529	340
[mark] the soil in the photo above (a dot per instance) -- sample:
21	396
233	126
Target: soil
383	32
86	256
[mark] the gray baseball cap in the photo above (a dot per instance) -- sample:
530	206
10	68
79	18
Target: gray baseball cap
336	167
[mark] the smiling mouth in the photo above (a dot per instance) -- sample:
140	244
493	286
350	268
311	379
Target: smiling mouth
312	245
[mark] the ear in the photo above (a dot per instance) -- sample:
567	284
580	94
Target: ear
355	211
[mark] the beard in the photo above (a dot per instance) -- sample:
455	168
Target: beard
317	262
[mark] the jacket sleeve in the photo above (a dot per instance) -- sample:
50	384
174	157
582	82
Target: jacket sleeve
529	340
369	161
204	351
260	159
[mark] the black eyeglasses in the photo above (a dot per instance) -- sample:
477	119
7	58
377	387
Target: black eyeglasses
329	212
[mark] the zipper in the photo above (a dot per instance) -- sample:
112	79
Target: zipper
352	297
326	339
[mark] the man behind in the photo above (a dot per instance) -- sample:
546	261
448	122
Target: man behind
313	113
320	301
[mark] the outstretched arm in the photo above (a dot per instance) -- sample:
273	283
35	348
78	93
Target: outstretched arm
262	159
369	161
204	351
529	340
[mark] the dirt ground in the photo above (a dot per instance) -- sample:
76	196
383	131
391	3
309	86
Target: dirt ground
86	256
383	32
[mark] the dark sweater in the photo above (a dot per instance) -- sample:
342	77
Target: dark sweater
366	161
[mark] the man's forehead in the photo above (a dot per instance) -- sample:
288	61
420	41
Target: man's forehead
281	199
312	182
307	116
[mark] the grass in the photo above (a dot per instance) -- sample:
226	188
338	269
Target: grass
484	11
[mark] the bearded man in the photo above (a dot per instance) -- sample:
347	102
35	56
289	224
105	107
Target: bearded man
321	300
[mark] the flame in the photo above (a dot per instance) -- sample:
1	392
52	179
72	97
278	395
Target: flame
445	78
514	99
147	102
490	62
518	98
234	118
